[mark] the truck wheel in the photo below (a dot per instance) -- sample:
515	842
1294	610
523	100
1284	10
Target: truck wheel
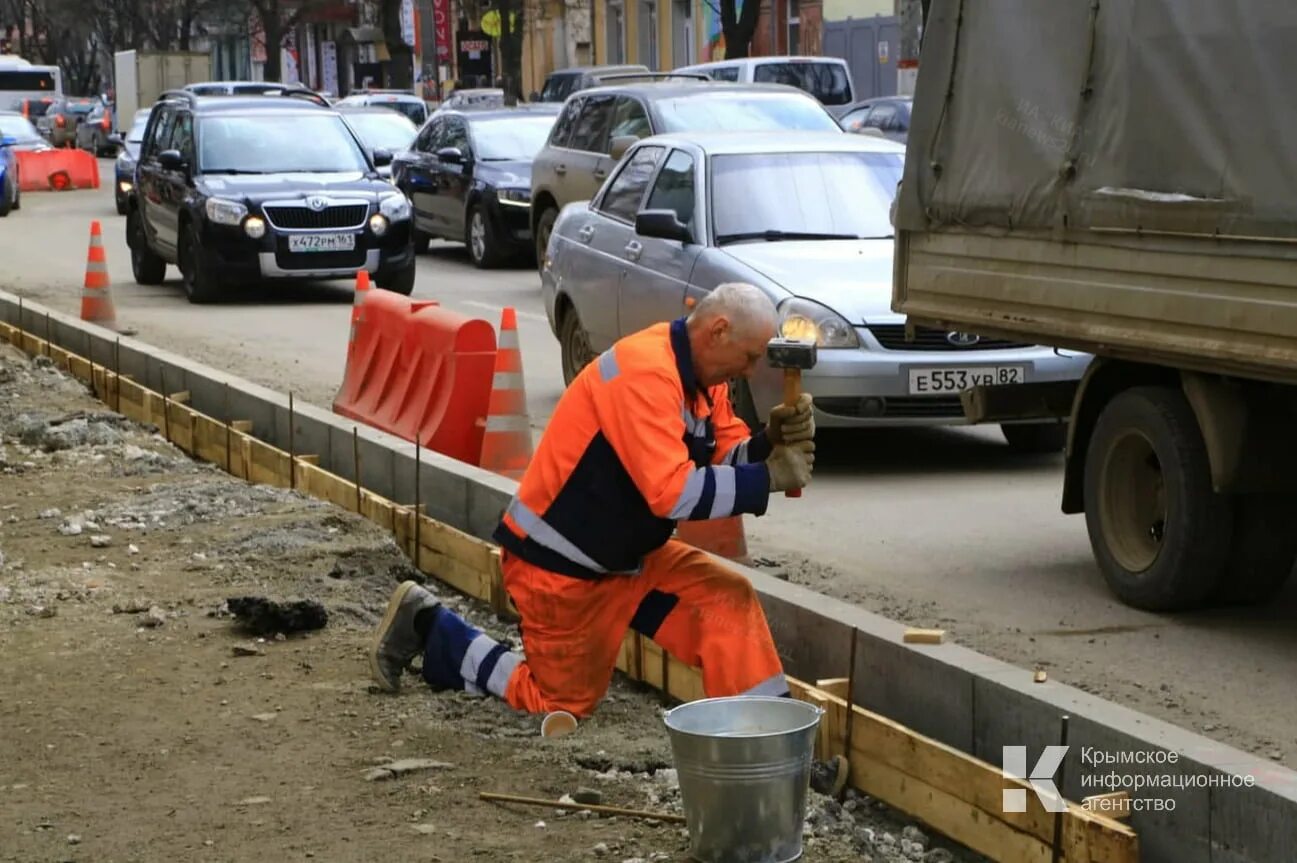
1263	550
1160	534
1035	437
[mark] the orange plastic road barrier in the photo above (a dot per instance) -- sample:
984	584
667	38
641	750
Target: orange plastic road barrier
506	446
43	170
96	294
357	308
722	536
417	369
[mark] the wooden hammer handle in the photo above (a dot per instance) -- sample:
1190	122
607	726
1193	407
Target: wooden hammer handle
792	393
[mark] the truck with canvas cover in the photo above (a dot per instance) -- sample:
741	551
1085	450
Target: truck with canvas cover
1117	177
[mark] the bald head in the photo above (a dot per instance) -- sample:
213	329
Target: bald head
728	332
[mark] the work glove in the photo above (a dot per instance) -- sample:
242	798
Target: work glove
791	424
790	466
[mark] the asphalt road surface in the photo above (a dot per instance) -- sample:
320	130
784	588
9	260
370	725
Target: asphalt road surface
940	528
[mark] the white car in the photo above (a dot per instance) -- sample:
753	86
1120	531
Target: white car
805	217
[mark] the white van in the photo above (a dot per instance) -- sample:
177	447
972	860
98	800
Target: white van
826	78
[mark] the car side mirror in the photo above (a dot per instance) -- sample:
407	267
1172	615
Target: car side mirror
171	160
662	225
451	155
115	138
620	145
382	157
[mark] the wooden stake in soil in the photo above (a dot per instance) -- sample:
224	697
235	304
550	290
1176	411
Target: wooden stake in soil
355	456
668	817
418	460
166	404
292	445
49	348
90	355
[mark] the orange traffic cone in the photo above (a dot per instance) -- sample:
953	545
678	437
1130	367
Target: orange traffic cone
357	308
506	445
722	536
96	297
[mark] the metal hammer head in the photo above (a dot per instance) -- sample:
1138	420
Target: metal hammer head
791	354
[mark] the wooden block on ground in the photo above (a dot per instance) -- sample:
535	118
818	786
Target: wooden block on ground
836	686
924	636
1040	676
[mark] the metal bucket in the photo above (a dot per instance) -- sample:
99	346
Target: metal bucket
744	764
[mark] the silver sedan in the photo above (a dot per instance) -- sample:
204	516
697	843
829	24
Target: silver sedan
805	217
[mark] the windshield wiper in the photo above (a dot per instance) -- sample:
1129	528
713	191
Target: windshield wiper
776	236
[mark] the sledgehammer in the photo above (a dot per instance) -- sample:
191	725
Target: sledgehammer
792	356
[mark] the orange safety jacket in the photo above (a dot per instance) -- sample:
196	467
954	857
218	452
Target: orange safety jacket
635	444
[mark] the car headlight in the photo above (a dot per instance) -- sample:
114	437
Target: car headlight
378	224
394	207
223	212
806	320
255	227
125	186
514	197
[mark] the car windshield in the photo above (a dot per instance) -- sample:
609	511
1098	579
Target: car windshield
825	81
81	107
415	112
511	139
777	196
34	107
383	130
267	143
558	87
744	112
18	128
136	134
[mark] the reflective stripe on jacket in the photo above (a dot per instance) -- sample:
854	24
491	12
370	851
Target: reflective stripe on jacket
634	446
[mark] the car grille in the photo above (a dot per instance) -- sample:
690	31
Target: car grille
893	407
892	338
302	218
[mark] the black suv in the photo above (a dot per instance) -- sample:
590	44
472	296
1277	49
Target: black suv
232	188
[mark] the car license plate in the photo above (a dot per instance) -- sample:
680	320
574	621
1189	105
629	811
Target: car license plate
321	242
953	381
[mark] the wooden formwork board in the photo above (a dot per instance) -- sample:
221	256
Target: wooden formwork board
954	793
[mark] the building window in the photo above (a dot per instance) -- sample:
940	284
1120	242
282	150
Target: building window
794	27
615	34
648	34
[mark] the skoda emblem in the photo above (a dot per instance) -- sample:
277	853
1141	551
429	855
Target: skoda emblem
317	203
963	340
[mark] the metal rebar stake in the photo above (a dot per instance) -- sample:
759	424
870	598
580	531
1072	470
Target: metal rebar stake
117	375
1058	816
229	459
49	348
851	693
292	446
90	356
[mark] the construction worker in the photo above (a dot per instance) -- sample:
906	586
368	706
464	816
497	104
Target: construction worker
644	437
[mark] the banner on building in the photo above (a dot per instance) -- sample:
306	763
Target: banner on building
407	22
475	59
329	67
441	24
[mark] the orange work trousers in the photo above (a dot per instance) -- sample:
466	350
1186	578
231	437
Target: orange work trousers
700	611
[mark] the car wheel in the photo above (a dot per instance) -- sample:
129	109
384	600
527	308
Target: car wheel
147	267
200	286
401	282
574	344
121	206
742	404
1035	437
7	196
544	227
18	192
483	247
421	241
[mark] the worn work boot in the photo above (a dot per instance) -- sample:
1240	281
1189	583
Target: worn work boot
830	777
397	641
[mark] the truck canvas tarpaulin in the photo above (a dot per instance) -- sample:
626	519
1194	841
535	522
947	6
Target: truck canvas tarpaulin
1083	172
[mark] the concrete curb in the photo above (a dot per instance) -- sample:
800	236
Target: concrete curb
960	697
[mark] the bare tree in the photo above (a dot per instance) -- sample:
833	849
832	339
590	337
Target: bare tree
277	21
